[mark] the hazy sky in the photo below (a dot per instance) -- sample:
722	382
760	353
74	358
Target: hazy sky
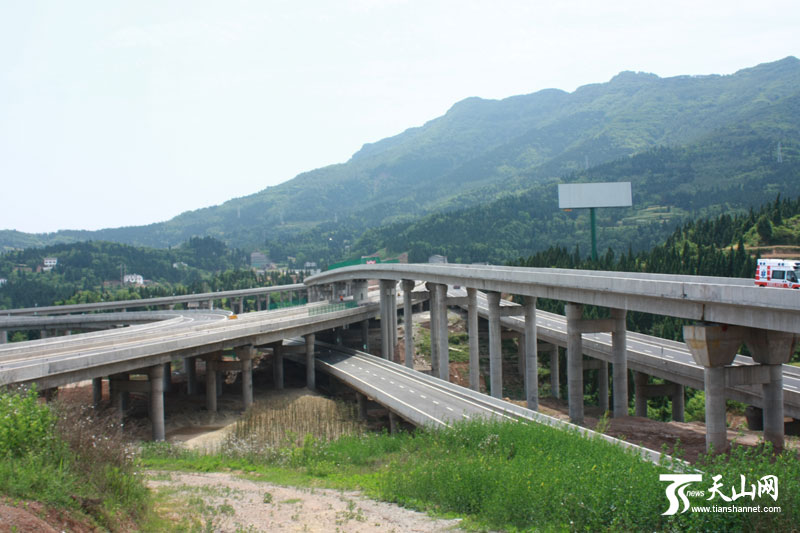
124	113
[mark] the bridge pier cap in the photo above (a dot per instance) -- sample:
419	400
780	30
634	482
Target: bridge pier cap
713	345
770	347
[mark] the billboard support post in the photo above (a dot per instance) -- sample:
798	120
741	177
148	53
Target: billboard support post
594	234
593	195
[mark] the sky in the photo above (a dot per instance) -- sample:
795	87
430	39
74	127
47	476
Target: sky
127	113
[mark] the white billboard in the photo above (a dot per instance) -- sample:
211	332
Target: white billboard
580	195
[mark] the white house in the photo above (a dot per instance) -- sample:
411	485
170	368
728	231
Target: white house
134	279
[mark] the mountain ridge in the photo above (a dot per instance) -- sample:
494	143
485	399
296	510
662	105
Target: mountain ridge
477	145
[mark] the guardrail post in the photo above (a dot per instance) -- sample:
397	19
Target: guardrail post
156	374
472	332
495	345
531	355
574	363
408	322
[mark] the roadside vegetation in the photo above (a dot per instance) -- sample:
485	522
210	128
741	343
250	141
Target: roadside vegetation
511	476
67	458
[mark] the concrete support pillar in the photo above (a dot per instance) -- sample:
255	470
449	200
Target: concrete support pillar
365	335
678	403
640	384
442	337
267	301
393	320
211	304
773	407
619	349
241	305
190	369
361	290
156	374
472	332
394	423
361	401
434	325
495	345
277	365
716	423
772	349
211	381
3	336
167	377
555	380
714	346
408	322
531	355
602	386
119	395
574	363
388	318
310	371
245	355
97	391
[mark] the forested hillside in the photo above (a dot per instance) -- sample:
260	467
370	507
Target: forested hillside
716	246
199	265
728	172
681	140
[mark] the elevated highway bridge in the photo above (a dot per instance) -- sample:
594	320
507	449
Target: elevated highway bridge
727	314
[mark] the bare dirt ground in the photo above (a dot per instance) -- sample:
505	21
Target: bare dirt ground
238	504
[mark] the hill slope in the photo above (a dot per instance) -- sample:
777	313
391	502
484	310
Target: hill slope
479	151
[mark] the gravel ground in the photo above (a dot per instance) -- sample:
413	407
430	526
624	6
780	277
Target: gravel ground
235	504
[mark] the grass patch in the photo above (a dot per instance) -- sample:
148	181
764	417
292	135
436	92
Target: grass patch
513	476
66	457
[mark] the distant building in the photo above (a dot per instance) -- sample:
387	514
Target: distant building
49	263
437	259
3	281
258	261
180	265
133	279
